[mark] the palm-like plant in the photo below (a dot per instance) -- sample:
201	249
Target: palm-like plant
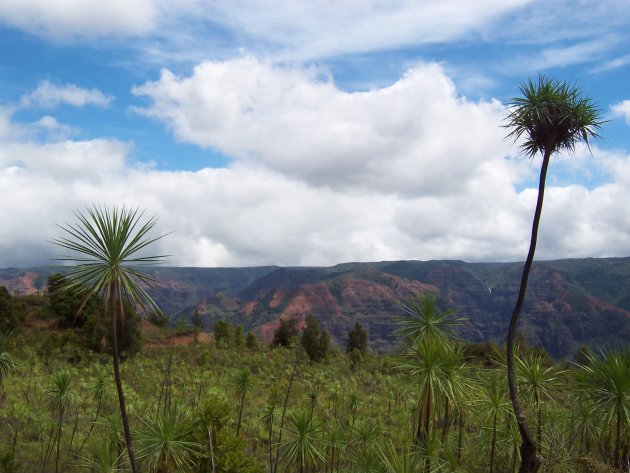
270	414
609	389
110	426
395	461
7	364
365	435
103	459
366	461
354	403
302	449
494	405
425	320
333	398
586	424
334	437
551	116
61	396
106	244
99	393
435	368
243	384
163	445
312	401
537	380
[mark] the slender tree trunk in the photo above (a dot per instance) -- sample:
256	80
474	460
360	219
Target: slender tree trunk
74	430
427	417
460	436
332	459
121	394
538	422
530	460
98	411
417	425
240	415
60	422
271	447
15	439
447	420
494	442
618	437
284	411
49	447
211	445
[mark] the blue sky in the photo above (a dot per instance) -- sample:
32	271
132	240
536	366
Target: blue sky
308	132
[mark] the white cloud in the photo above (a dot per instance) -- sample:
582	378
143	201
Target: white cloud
566	55
309	29
300	207
414	137
286	28
48	95
247	215
574	54
613	63
67	19
53	130
7	127
622	109
555	21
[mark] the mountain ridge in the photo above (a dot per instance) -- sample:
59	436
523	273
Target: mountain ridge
569	302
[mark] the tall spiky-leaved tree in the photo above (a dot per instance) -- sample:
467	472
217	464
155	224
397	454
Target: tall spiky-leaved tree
551	116
243	384
107	245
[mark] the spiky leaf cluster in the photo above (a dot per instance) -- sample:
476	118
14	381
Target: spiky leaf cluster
551	116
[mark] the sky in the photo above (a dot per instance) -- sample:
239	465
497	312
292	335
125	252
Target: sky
295	132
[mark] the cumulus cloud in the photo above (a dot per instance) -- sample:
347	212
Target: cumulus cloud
48	95
622	109
416	136
284	200
248	215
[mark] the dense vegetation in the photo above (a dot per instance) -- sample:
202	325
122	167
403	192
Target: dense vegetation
435	405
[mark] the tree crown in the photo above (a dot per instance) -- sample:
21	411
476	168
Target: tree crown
552	116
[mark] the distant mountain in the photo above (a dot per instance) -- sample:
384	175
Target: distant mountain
569	302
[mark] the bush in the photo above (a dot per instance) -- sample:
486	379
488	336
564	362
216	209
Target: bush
357	339
12	312
229	450
285	333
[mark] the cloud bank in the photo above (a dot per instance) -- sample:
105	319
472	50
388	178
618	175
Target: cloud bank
317	176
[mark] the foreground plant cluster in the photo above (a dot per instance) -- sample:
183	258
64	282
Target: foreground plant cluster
437	405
